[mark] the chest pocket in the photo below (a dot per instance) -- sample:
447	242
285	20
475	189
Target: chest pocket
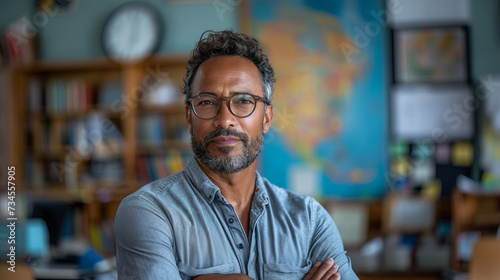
187	271
278	271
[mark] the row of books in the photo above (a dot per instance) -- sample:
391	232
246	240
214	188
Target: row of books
73	173
150	168
94	134
100	236
72	95
154	128
39	173
60	96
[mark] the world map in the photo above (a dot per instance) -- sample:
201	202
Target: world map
329	132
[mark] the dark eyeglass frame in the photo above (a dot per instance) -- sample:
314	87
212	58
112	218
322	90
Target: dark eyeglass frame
228	99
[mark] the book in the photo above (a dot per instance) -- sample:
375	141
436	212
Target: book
20	42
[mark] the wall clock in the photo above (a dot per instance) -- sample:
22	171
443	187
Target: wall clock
132	33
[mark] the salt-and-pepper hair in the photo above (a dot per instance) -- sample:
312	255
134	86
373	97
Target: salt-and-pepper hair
229	43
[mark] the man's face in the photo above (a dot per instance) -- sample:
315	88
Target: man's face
226	143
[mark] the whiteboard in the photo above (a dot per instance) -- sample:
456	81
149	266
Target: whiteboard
434	113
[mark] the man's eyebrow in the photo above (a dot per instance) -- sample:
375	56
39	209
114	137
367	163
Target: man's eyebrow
206	92
233	93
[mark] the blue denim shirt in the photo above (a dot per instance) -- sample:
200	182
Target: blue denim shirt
181	226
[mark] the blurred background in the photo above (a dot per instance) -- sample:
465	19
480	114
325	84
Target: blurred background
387	112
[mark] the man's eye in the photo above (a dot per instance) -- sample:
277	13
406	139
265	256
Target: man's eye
206	102
243	99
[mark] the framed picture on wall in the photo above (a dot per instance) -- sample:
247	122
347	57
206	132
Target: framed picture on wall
431	54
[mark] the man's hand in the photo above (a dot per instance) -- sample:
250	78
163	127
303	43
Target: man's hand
223	277
320	271
323	271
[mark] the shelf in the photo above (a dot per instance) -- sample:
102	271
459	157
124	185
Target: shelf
487	227
410	275
61	154
100	64
85	193
64	116
59	193
96	64
51	154
473	213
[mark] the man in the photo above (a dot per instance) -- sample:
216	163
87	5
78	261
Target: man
218	218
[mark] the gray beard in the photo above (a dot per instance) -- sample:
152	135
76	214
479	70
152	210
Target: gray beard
226	164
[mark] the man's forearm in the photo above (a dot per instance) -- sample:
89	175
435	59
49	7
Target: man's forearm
223	277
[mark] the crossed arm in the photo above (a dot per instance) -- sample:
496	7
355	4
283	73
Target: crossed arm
320	271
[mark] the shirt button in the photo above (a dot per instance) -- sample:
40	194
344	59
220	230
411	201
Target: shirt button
231	220
240	246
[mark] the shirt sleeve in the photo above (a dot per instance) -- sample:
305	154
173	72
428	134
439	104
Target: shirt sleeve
143	242
327	243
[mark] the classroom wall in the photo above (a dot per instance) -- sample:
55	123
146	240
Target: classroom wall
75	33
485	37
12	10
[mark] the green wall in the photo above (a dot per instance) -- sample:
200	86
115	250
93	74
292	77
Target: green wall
12	10
485	39
75	33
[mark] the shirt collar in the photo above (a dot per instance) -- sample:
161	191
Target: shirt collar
260	195
203	184
200	180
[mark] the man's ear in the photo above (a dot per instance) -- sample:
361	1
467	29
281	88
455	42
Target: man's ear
188	119
268	119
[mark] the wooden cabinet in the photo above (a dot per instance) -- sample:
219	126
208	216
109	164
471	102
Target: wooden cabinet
94	131
479	213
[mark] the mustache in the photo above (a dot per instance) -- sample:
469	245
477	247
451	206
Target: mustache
226	132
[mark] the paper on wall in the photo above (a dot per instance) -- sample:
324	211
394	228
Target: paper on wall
438	113
422	172
462	154
304	179
442	153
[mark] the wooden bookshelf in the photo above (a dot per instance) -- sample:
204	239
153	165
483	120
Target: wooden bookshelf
473	212
54	148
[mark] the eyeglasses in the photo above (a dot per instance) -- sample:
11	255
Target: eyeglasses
242	105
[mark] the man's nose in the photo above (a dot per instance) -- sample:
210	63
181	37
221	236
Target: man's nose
224	117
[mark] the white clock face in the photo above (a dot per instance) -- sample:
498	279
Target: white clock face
131	33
